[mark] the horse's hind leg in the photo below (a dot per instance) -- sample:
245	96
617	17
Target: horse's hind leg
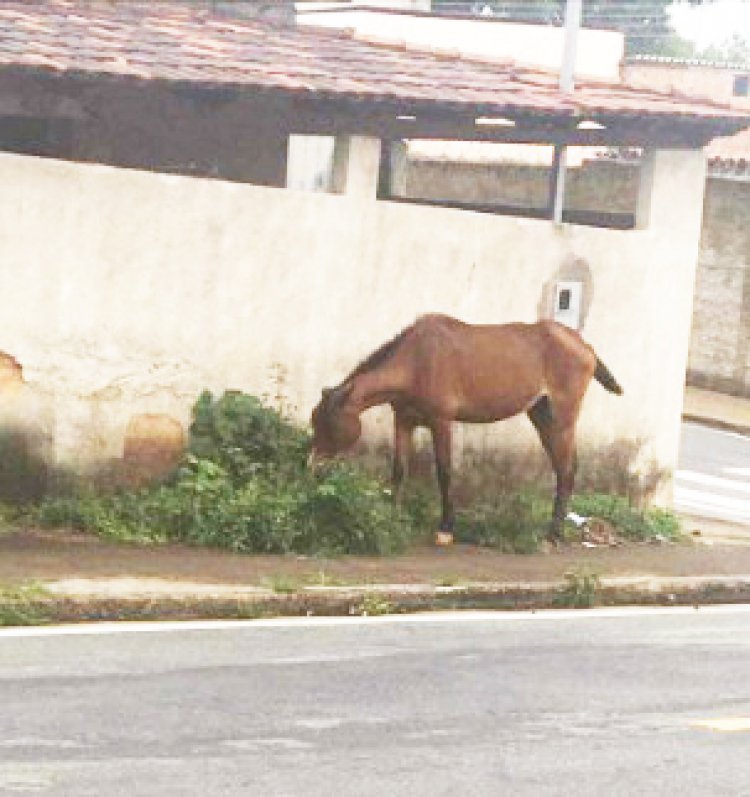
557	435
441	438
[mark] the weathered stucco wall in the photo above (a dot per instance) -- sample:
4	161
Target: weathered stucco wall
720	342
715	83
123	294
599	53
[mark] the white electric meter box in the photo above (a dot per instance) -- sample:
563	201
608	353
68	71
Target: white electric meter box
568	297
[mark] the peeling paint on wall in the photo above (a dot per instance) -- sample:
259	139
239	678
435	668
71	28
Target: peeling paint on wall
154	444
11	374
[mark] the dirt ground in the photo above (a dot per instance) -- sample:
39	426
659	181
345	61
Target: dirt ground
34	555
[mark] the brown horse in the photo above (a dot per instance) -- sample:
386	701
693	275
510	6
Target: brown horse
440	370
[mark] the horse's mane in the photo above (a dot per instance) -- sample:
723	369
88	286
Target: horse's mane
380	355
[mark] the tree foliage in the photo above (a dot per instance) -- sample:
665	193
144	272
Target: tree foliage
735	50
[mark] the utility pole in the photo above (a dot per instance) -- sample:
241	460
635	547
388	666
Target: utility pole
573	14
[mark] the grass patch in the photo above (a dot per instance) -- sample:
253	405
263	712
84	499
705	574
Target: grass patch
448	580
19	605
518	523
515	523
282	585
581	590
373	605
10	515
628	520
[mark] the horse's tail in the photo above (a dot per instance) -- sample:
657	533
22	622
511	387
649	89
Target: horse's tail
604	377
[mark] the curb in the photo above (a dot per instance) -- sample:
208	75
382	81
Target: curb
49	608
717	423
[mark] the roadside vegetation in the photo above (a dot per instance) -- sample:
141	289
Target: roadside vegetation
22	605
244	485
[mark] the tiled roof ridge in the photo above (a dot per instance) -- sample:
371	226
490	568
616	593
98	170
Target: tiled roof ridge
646	58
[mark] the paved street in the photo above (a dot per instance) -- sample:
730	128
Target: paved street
623	702
713	479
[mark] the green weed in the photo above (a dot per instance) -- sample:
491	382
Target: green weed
581	589
514	523
282	585
628	520
374	605
19	605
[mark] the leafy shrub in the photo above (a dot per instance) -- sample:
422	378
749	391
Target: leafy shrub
245	437
244	485
353	512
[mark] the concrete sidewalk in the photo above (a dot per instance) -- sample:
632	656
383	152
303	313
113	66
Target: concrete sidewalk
717	409
82	578
68	603
61	577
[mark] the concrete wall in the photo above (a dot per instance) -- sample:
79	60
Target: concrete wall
720	342
123	294
715	83
720	338
600	52
605	185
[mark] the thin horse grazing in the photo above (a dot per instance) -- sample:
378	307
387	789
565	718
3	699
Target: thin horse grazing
441	370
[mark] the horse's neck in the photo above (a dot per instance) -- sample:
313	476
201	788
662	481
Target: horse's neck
372	388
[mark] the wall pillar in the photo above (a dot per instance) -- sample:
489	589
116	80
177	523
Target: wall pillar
356	165
671	190
670	205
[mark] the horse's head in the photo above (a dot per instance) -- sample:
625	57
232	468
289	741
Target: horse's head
336	424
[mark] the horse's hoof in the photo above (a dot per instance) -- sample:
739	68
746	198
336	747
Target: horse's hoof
443	539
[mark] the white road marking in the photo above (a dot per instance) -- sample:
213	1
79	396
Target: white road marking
713	499
731	485
32	741
254	744
711	504
742	472
724	724
319	724
443	618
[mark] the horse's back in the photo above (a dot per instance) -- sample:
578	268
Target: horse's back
475	372
481	372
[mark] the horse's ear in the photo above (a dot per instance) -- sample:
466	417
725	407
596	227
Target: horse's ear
343	393
336	396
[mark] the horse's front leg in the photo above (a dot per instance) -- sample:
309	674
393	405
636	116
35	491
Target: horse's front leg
402	442
441	439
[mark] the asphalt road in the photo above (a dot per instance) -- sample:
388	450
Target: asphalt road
713	479
629	702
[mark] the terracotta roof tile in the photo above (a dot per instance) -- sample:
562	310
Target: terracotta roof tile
163	41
